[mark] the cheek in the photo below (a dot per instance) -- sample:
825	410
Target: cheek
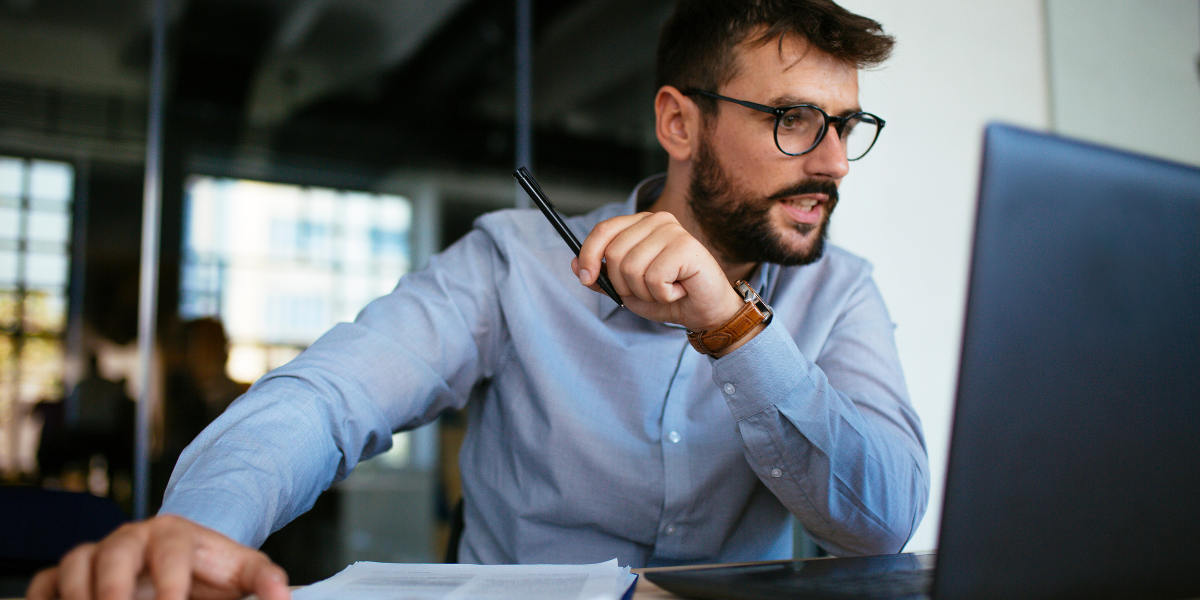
752	163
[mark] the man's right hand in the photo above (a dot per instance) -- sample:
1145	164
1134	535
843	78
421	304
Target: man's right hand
166	557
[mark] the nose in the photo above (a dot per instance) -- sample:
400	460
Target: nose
828	159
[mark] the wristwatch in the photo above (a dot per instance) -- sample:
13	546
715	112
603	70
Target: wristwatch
753	312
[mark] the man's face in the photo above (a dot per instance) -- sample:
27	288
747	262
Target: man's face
751	201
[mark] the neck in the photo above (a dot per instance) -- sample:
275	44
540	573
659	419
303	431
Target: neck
674	199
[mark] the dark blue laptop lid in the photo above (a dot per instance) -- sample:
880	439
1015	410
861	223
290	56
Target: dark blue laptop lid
1075	453
1075	456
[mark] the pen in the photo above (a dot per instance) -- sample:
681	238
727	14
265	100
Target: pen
535	192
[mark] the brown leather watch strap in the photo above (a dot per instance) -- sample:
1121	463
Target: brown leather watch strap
753	312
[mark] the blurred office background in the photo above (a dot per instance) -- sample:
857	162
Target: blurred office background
315	150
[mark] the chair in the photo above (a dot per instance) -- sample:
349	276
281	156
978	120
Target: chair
39	526
456	530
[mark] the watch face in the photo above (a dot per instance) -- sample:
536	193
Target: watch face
745	290
752	296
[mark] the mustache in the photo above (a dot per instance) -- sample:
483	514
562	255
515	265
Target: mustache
809	186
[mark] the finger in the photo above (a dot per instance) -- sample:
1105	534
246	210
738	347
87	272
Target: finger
169	558
668	273
43	586
224	568
663	281
592	282
119	560
631	263
596	243
655	239
626	253
75	573
269	580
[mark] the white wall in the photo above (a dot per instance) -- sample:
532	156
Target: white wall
909	206
1124	73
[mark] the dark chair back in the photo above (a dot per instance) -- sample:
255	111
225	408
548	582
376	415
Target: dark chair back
37	527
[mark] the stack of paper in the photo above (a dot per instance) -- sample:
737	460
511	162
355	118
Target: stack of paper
392	581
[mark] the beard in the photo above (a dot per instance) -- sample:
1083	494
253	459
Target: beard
737	223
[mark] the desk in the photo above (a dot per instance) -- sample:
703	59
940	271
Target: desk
646	590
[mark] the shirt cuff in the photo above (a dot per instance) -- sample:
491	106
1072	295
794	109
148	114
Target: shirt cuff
762	372
212	509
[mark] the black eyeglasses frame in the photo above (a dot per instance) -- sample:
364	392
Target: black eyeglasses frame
779	111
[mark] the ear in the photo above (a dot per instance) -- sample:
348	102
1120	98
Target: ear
677	123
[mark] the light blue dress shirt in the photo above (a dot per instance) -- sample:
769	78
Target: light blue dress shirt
592	433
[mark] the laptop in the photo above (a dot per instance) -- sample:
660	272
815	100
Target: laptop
1074	468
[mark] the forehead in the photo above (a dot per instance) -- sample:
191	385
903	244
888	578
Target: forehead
789	71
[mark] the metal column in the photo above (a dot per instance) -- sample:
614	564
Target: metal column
148	293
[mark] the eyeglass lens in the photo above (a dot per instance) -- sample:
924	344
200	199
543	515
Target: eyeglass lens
798	129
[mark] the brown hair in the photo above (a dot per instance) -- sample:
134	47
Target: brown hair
697	43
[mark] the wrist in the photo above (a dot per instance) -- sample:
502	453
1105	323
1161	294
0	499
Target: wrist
750	318
731	304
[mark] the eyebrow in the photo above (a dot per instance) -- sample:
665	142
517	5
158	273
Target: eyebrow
779	101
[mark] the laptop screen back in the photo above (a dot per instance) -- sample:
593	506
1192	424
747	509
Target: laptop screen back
1075	458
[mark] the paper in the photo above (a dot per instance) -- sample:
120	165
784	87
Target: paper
394	581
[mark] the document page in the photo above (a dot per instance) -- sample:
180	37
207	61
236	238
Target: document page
393	581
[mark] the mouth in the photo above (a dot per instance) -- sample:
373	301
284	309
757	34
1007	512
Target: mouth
802	204
805	209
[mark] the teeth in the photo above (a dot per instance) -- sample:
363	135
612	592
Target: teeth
805	205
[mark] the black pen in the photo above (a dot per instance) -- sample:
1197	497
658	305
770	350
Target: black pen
535	191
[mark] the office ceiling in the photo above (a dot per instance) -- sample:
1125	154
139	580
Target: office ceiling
382	83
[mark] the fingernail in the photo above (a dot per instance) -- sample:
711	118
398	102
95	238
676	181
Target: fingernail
584	275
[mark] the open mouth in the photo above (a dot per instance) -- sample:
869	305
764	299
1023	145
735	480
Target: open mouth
803	204
805	210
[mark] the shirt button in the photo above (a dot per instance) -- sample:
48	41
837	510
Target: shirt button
670	530
730	388
674	437
776	472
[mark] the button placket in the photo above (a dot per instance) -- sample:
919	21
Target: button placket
677	483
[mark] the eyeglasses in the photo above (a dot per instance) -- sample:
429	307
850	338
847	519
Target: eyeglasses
799	129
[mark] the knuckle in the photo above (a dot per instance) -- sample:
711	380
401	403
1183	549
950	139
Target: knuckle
80	553
167	520
663	218
125	532
603	228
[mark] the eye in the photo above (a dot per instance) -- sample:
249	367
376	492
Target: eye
796	119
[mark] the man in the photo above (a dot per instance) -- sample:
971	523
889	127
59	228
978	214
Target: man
597	431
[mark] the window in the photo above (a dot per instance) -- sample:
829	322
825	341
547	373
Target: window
35	234
280	264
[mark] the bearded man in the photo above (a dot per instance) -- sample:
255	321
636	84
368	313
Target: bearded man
750	378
